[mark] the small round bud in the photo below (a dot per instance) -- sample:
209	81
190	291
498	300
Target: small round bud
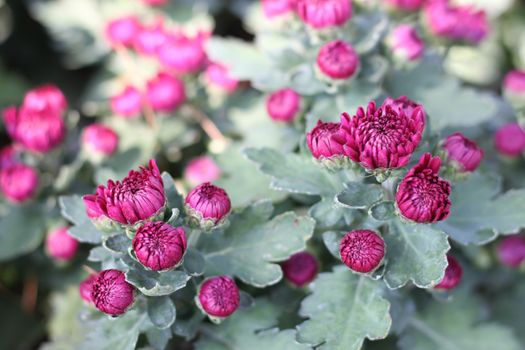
509	140
127	103
183	54
283	105
218	76
111	293
45	97
86	286
321	14
511	251
405	43
463	153
208	204
514	88
60	245
18	182
218	296
300	269
362	250
453	274
122	31
337	60
200	170
99	140
324	144
159	246
165	93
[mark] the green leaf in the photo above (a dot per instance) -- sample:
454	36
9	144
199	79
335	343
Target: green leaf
158	338
343	310
194	263
509	307
415	253
249	329
479	212
252	245
383	211
456	325
119	243
332	240
161	312
73	209
174	198
294	173
359	196
21	231
327	214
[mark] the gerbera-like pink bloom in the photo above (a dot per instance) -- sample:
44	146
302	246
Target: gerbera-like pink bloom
218	296
463	153
300	269
511	251
200	170
406	43
18	182
423	196
283	105
218	75
111	293
362	250
127	103
208	202
122	31
321	14
453	274
165	93
509	140
98	139
60	245
337	60
321	141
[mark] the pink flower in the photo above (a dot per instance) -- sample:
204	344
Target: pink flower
456	22
406	42
159	246
99	140
200	170
7	156
207	202
139	196
320	14
406	5
283	105
511	251
274	8
337	60
155	2
111	293
510	140
60	245
514	82
300	269
122	31
86	286
18	182
165	93
218	296
452	274
462	152
423	196
183	54
382	138
44	98
405	105
128	103
362	250
321	140
149	39
218	75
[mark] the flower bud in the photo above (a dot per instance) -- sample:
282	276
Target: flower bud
111	293
183	54
86	286
463	153
99	140
511	251
452	274
275	8
362	250
122	31
300	269
18	182
150	39
208	205
128	103
337	60
217	75
405	43
139	196
218	297
423	196
514	88
509	140
45	97
60	245
283	105
200	170
165	93
406	5
382	138
321	14
324	144
159	246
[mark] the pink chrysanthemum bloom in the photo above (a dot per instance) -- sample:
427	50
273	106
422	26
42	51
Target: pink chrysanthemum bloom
165	93
45	97
111	293
127	103
86	286
509	140
208	204
337	60
323	143
283	105
122	31
300	269
423	196
321	14
406	5
463	153
382	138
159	246
217	75
149	39
218	296
406	43
18	182
275	8
362	250
511	251
60	245
183	54
200	170
453	274
139	196
98	139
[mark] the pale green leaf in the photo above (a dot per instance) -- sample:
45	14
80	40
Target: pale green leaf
161	311
359	196
21	231
74	210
